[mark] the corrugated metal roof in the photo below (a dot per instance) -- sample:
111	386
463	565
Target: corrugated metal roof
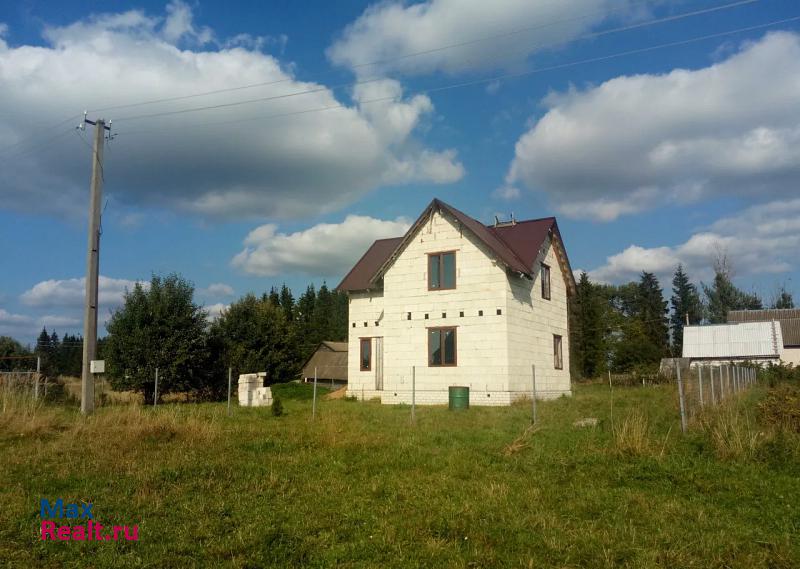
788	317
733	341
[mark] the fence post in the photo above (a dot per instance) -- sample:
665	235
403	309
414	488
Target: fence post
155	391
700	382
230	371
680	397
36	383
413	394
533	394
314	400
711	380
611	392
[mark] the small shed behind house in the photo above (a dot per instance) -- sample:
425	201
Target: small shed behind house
330	361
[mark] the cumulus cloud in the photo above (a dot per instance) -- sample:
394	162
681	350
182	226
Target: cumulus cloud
235	161
635	142
761	239
70	293
327	249
217	290
215	310
387	31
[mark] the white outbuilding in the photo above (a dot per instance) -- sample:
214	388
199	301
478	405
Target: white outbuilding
756	342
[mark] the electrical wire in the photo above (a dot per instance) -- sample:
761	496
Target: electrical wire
381	77
485	80
380	61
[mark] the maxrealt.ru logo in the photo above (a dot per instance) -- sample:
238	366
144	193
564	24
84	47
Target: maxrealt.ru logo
90	531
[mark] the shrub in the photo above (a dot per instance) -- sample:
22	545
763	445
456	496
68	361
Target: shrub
277	406
781	408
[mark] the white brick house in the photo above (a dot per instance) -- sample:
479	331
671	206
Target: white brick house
464	304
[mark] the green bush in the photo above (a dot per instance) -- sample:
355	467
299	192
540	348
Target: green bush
277	406
781	408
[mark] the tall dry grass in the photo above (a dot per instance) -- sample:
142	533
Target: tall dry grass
732	432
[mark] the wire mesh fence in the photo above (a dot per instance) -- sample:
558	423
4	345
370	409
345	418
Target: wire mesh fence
702	385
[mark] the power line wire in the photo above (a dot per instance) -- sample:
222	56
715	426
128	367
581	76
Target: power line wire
381	78
488	79
374	62
40	131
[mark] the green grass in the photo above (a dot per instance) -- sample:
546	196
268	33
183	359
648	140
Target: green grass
361	487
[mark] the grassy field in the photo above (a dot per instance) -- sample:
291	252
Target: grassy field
361	487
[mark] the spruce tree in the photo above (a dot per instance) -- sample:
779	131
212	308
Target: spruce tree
783	300
685	302
589	328
652	313
723	296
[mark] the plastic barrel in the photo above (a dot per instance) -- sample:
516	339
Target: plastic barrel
458	397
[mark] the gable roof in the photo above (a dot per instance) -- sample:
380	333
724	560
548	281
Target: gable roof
360	276
329	360
733	341
516	245
788	317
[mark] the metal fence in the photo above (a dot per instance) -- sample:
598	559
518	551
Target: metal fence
702	385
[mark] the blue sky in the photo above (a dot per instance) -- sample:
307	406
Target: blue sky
678	154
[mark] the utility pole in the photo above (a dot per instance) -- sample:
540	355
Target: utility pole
92	267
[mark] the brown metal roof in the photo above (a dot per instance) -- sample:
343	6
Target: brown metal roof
788	317
516	245
360	276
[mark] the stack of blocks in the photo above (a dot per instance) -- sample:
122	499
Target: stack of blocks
252	392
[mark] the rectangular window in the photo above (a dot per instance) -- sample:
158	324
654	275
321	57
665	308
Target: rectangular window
545	277
442	271
366	354
558	358
442	347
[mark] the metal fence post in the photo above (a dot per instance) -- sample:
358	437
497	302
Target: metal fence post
155	391
700	382
611	392
314	400
680	397
230	371
413	394
711	380
533	393
38	375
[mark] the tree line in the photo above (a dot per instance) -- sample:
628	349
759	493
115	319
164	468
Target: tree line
162	327
630	327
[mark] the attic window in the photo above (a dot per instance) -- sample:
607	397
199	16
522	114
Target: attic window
545	278
442	270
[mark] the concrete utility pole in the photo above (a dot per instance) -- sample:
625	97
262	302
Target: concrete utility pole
92	268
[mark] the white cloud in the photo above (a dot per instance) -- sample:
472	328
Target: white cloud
52	321
393	29
294	165
507	193
215	310
327	249
635	142
217	290
761	239
70	293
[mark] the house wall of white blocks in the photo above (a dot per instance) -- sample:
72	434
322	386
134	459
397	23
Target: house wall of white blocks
503	326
